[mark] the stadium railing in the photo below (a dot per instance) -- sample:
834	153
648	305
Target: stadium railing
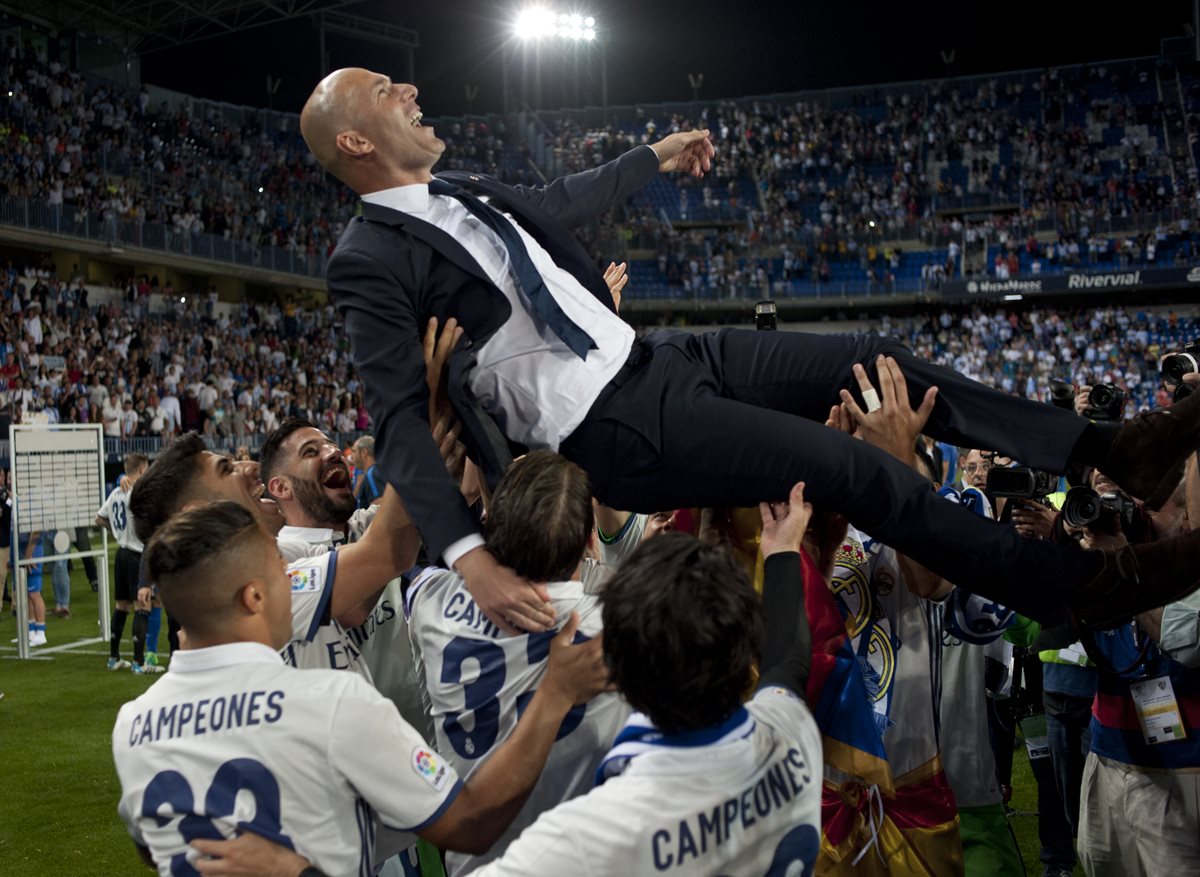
115	449
36	214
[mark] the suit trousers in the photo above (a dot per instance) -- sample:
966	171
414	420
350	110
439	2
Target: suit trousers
736	417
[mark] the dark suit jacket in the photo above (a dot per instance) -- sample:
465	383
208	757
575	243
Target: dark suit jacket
391	272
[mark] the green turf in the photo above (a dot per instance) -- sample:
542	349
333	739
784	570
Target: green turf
58	799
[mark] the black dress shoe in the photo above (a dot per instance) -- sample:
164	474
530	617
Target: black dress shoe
1147	457
1137	578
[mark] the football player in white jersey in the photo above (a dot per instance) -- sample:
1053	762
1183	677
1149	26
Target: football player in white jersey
114	514
698	783
232	739
186	473
479	680
307	476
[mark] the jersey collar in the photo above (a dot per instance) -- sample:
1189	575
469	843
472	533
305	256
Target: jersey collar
227	655
306	534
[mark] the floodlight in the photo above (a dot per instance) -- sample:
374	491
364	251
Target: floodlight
564	19
576	33
589	34
589	22
576	20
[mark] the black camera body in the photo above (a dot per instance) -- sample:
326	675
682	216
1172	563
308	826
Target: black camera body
1084	507
1187	361
764	316
1105	402
1021	482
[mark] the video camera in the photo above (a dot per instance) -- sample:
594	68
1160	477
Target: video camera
1020	482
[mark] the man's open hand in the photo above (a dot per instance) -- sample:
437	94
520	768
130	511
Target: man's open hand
437	348
784	523
575	673
892	425
247	855
616	278
688	152
513	604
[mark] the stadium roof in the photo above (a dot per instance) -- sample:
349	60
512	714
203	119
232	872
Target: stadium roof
152	25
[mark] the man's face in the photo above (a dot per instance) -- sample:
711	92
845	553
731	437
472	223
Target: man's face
659	522
222	478
318	475
388	115
975	470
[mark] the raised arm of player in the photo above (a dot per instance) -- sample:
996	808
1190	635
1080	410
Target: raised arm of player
787	649
388	548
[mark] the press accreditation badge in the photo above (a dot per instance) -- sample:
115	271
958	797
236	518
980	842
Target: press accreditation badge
1157	710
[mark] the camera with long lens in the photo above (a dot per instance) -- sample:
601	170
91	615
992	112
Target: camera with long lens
1187	361
1105	402
1020	482
764	316
1084	508
1062	395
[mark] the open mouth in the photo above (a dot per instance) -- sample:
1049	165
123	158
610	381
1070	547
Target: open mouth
259	492
416	119
337	478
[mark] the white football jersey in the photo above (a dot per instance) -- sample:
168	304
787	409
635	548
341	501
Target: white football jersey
480	680
382	640
231	738
746	808
116	511
616	548
318	641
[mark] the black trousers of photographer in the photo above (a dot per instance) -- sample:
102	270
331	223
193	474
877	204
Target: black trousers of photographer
736	417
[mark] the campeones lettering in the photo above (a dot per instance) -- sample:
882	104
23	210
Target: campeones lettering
243	710
696	835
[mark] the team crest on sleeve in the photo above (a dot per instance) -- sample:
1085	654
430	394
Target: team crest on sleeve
303	579
430	767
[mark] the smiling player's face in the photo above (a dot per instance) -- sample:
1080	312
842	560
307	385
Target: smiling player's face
319	476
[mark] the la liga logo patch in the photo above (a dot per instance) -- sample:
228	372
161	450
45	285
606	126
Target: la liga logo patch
304	579
430	767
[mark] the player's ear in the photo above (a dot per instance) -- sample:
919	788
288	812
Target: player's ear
252	597
280	487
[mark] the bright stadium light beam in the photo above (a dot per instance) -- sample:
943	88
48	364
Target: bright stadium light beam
535	22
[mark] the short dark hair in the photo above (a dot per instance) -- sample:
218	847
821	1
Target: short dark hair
189	553
540	517
135	461
683	630
268	454
166	486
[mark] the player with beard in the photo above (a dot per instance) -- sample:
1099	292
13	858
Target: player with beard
187	474
306	474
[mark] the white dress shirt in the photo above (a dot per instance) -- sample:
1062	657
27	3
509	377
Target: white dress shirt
525	377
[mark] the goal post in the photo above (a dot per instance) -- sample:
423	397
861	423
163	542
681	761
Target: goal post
57	486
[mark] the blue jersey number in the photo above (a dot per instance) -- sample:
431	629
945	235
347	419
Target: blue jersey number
170	790
538	650
120	517
481	696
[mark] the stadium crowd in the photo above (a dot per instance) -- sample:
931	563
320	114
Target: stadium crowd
664	706
810	186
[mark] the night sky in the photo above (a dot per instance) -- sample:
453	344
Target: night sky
650	46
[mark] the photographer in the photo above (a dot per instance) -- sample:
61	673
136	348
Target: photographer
1138	811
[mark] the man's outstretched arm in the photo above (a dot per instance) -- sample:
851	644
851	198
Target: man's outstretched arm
787	648
579	198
